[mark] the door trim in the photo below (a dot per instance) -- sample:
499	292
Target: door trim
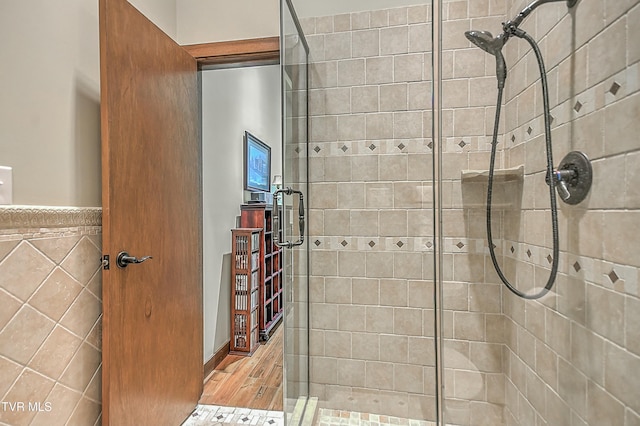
245	52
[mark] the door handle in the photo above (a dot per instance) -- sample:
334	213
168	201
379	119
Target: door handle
123	259
289	244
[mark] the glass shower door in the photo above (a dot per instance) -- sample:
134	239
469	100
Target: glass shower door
294	62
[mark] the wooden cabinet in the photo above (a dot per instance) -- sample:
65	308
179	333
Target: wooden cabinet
246	273
271	294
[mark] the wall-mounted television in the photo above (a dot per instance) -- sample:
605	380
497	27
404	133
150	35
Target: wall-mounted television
257	164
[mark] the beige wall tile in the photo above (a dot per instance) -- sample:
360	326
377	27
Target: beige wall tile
56	353
408	378
618	247
324	24
618	364
351	264
336	100
351	196
573	386
407	124
342	22
394	40
607	52
364	99
393	97
453	34
407	265
365	346
10	306
324	316
350	127
324	263
82	314
23	271
379	18
455	93
469	326
9	371
379	195
393	348
366	291
620	125
360	20
78	263
408	67
24	334
337	344
379	70
31	386
364	222
379	375
323	74
420	37
324	370
379	126
351	318
351	72
419	97
337	289
63	401
337	46
324	129
82	368
351	372
366	43
379	319
602	407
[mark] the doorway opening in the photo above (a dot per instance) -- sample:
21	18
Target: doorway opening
239	98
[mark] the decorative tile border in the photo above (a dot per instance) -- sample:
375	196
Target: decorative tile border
14	217
218	415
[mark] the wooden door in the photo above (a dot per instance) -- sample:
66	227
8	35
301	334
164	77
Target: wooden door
151	167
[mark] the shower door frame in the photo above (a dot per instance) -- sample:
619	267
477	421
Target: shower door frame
438	240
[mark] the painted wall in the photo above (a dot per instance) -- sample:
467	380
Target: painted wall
234	100
50	121
160	12
49	108
201	21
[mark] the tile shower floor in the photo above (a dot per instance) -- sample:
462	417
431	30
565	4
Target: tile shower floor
328	417
206	415
217	415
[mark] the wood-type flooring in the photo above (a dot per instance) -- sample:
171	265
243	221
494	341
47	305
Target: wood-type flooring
249	382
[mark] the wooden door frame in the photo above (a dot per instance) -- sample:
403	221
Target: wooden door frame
234	53
246	52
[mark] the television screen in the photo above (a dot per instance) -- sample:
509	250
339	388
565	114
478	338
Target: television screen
257	164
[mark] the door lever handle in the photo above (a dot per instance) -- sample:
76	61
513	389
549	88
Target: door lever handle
123	259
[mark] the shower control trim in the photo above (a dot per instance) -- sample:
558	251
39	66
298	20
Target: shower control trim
573	178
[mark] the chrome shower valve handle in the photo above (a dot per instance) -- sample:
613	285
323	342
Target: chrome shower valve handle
573	177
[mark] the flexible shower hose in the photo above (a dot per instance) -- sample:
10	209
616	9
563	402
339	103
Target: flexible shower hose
550	179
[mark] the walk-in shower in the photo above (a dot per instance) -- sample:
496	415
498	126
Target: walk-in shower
575	171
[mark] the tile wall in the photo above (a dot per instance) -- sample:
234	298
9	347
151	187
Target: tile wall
572	358
370	171
560	360
473	321
50	327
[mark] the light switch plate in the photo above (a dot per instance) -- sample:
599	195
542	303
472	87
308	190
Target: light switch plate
6	185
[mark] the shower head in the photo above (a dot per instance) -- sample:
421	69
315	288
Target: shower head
493	45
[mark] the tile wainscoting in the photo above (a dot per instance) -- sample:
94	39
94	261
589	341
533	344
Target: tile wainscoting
50	321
